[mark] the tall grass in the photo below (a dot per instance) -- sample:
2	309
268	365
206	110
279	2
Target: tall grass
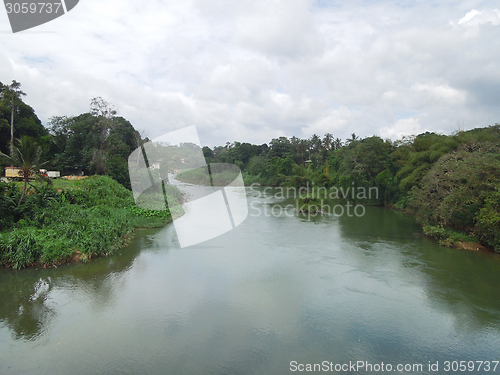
91	219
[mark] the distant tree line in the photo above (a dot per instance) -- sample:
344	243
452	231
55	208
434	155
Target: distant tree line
447	182
97	142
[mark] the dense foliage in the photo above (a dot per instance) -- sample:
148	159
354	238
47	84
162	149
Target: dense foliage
97	142
92	144
26	121
451	183
90	218
42	225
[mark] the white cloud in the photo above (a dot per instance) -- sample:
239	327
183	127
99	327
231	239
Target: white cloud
407	126
442	95
253	70
280	28
475	17
334	122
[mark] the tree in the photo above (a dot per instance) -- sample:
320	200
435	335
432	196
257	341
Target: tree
454	190
353	138
315	144
365	159
208	154
26	155
337	143
280	147
105	114
12	94
243	152
327	141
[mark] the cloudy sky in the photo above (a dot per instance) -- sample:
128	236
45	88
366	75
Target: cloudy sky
253	70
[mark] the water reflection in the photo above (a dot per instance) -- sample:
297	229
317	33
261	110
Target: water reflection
27	306
462	282
273	290
24	305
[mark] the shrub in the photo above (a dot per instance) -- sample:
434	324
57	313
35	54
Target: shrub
462	191
92	218
488	221
21	247
9	196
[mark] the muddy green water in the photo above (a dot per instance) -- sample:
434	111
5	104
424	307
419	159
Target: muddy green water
272	291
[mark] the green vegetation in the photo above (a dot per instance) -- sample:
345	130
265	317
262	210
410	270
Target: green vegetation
196	176
11	97
309	205
446	236
461	191
450	183
220	175
91	218
26	154
97	142
50	222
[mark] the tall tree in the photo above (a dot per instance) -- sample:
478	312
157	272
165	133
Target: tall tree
12	95
337	143
105	113
327	141
280	147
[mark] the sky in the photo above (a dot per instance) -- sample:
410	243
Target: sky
254	70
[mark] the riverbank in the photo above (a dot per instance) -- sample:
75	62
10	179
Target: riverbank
310	204
452	238
89	218
447	237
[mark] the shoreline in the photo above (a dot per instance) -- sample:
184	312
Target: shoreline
465	245
78	257
86	219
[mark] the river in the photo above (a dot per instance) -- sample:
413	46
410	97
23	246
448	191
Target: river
276	293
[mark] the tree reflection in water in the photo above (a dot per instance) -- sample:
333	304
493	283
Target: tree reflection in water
27	305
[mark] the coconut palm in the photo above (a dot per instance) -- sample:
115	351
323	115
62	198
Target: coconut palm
26	155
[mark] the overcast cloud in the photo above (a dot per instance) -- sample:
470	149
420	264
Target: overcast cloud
252	70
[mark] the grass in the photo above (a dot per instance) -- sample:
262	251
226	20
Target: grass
82	219
56	183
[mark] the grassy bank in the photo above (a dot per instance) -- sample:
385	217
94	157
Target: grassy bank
83	219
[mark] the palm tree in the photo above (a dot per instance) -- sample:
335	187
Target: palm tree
328	141
26	155
353	138
337	143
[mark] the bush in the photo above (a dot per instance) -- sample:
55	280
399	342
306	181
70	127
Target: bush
488	221
461	191
104	190
21	247
446	236
9	196
454	190
93	218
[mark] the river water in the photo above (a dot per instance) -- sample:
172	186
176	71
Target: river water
274	293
